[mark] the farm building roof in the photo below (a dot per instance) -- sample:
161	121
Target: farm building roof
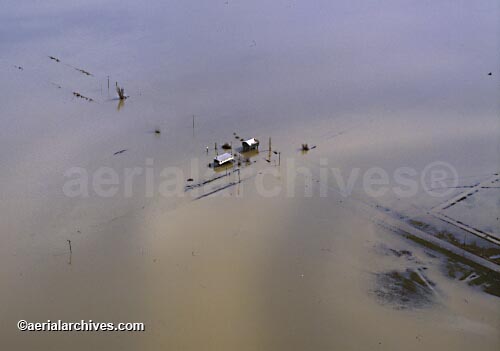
224	157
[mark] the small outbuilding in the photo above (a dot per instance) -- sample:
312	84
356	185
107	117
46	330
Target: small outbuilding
223	159
250	144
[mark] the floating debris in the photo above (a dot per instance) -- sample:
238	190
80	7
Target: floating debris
82	96
305	147
157	131
75	68
190	179
120	152
19	67
83	71
226	146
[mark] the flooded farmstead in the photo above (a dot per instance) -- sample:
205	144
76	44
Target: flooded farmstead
250	175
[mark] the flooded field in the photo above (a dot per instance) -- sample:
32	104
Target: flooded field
366	220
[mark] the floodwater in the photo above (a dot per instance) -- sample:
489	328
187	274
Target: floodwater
269	263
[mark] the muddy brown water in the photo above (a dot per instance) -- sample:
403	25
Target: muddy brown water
371	85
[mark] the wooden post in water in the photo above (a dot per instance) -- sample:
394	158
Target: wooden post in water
269	149
70	251
108	85
193	121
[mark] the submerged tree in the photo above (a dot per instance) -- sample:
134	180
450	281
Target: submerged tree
121	92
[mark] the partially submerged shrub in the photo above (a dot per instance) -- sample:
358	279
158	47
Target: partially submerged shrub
121	92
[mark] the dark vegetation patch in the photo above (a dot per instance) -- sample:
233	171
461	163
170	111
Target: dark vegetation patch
419	224
458	267
403	290
482	251
400	253
385	250
485	252
486	280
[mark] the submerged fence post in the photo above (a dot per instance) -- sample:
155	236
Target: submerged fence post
70	251
269	149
